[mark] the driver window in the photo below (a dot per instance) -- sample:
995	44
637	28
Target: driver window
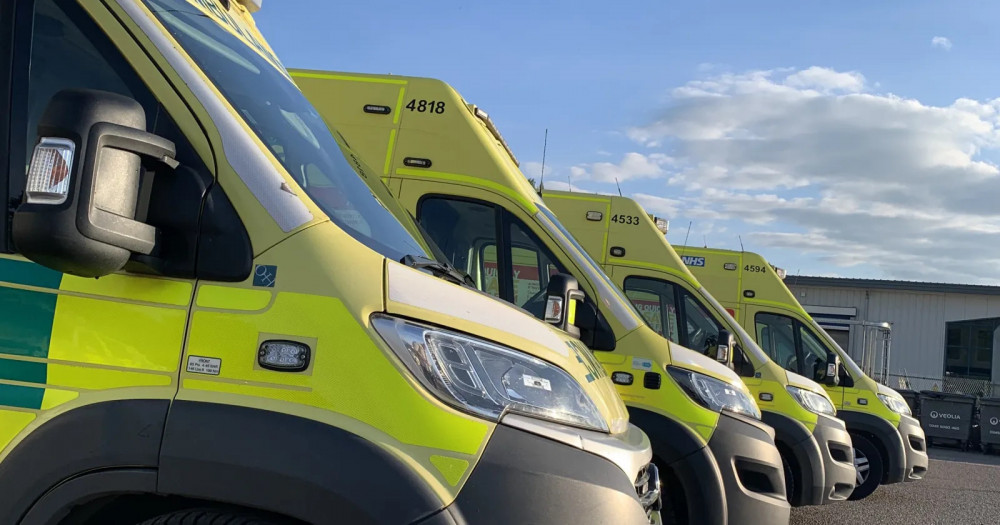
776	336
655	300
465	232
702	330
530	269
813	354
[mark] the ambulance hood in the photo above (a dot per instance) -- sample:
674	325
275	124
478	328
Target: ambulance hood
805	383
684	357
415	294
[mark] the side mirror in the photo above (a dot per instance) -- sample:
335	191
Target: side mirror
844	379
562	296
741	364
595	332
82	197
724	347
831	375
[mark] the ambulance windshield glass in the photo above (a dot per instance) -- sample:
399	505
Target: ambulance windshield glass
279	114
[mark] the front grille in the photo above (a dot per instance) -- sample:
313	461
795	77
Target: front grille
647	487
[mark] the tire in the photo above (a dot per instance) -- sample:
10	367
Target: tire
867	456
790	481
206	517
674	507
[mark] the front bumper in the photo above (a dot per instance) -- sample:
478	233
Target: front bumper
915	446
751	470
523	477
837	451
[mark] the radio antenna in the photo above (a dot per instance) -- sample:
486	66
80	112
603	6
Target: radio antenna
545	147
686	235
619	187
741	243
705	239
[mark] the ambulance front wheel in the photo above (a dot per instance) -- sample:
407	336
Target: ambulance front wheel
869	466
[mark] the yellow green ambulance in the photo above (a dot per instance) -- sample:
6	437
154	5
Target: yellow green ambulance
448	165
632	248
889	445
209	317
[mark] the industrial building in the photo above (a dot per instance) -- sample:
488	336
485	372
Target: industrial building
915	335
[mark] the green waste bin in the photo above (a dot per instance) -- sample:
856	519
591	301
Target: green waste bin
947	417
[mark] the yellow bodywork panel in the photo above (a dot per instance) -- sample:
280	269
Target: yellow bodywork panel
602	223
351	381
731	275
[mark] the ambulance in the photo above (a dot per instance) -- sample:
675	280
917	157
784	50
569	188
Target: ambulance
632	248
448	165
209	316
889	445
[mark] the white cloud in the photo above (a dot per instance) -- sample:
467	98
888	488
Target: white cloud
533	169
659	206
826	80
559	185
815	161
941	42
632	166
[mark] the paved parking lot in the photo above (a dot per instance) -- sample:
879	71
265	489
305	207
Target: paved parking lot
961	488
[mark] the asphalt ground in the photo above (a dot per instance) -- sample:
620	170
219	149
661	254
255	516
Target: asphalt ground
961	488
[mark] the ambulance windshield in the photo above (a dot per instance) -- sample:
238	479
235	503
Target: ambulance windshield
270	104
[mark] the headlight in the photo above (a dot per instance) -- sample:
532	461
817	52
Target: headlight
812	401
485	379
714	393
895	404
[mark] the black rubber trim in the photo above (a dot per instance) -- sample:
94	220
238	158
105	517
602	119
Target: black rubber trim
886	436
56	505
526	478
680	450
916	460
99	436
751	470
287	465
808	457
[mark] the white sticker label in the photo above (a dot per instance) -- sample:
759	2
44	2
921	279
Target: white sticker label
537	382
204	365
641	364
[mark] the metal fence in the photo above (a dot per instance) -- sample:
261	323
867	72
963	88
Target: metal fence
955	385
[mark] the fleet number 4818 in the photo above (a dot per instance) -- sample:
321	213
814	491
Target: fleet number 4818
426	106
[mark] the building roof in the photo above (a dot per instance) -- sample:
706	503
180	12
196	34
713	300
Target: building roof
883	284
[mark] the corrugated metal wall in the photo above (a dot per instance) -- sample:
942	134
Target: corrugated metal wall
918	323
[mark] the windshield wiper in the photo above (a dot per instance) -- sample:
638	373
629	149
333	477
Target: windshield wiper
439	269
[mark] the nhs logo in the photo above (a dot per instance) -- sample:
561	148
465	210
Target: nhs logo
693	261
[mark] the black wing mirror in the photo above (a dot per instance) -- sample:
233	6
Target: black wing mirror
78	213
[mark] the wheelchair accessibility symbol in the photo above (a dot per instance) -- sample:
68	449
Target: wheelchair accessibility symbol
265	275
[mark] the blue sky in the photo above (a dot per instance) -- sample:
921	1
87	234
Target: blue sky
835	139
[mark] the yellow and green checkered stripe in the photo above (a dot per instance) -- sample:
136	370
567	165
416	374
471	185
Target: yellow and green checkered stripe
26	316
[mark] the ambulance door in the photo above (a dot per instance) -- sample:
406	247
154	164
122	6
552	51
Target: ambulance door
791	344
67	341
505	257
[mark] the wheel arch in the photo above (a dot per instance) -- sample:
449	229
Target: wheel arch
794	439
245	457
689	460
884	436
